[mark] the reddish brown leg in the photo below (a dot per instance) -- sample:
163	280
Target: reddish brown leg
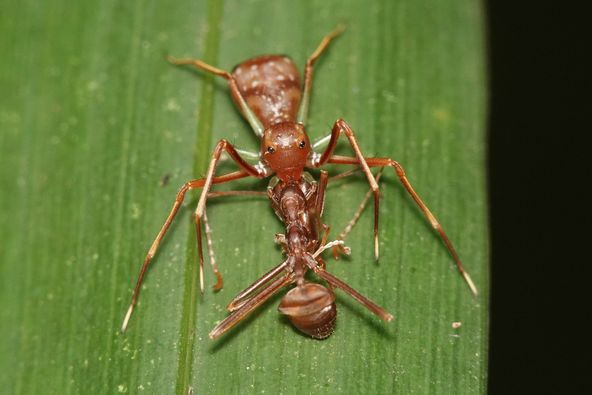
382	162
339	127
220	281
334	281
321	187
308	71
258	172
237	193
339	249
251	118
178	201
280	239
245	294
324	237
347	173
238	315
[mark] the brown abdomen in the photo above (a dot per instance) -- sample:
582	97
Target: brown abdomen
311	309
271	86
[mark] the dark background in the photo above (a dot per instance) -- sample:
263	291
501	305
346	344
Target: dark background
539	173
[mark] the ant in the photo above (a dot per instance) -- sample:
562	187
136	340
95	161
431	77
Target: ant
268	93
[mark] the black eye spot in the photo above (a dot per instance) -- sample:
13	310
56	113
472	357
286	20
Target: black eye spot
270	150
302	144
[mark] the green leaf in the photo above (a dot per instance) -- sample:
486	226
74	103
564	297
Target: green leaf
93	122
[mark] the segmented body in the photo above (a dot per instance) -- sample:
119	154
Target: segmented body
271	87
268	92
310	307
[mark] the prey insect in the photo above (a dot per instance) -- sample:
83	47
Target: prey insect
268	93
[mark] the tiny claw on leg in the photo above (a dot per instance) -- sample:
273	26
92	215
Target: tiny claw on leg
127	317
470	283
340	249
201	278
219	283
376	254
376	205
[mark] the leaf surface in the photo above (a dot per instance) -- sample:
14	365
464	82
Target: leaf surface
98	132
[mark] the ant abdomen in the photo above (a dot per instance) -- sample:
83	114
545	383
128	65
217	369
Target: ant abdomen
311	308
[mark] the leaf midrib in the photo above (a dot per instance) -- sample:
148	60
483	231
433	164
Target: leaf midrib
200	162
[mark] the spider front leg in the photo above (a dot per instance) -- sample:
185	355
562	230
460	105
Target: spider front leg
337	283
383	162
317	161
309	69
258	172
201	65
239	313
339	249
156	243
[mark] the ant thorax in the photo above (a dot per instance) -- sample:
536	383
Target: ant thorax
294	203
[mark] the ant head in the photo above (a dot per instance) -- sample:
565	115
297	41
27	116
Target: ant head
285	148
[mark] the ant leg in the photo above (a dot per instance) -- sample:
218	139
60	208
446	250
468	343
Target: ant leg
319	206
249	115
238	315
382	162
280	239
325	246
320	143
335	282
308	71
326	229
321	187
324	237
316	161
344	174
339	249
239	300
258	172
245	295
236	193
152	251
219	280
